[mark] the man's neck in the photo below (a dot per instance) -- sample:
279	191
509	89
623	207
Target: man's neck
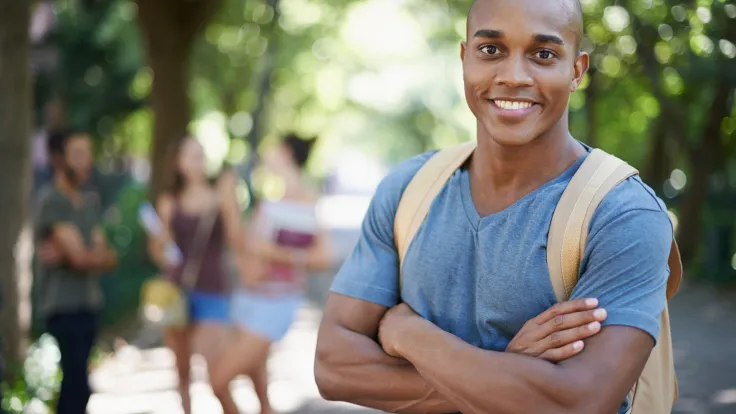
62	184
501	175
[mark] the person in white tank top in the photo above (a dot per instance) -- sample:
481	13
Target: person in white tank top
285	243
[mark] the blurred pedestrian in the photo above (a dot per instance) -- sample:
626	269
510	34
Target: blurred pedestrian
192	202
285	241
72	253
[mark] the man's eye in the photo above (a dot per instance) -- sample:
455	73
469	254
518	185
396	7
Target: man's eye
489	49
545	54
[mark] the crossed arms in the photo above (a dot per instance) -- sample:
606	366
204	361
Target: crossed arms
66	246
432	371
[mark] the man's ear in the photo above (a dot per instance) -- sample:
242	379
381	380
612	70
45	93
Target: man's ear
582	63
463	49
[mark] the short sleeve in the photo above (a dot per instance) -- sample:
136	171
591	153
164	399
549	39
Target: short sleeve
371	272
625	267
54	209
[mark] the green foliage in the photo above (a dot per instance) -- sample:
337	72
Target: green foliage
384	78
99	61
37	382
649	96
122	289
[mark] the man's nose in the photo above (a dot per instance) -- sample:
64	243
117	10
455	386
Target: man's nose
514	72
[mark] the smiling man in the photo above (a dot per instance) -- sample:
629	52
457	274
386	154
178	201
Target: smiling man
476	271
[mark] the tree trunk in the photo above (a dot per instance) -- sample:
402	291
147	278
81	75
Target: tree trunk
656	169
703	163
170	27
15	141
263	88
263	84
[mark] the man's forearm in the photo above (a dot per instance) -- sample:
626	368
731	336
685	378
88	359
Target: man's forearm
480	381
108	259
94	261
353	368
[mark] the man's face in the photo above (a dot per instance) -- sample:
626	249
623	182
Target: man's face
520	64
78	159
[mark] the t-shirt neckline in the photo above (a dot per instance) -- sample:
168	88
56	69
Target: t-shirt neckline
479	222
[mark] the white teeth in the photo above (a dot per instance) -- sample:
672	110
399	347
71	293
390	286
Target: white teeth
512	105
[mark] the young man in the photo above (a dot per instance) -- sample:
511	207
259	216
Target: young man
477	271
72	253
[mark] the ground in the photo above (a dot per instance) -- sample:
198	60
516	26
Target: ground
704	341
704	331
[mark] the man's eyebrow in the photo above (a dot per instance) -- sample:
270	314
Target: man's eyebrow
488	34
538	38
545	38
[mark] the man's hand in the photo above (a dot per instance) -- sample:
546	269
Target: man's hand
557	334
392	325
49	254
351	366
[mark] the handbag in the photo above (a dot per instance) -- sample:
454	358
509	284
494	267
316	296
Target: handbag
165	304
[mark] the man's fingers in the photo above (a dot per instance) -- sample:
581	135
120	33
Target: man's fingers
578	319
564	308
563	353
560	339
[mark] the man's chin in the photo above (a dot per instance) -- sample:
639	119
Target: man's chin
80	181
510	137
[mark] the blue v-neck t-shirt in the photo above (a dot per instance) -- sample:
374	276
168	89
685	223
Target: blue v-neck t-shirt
482	278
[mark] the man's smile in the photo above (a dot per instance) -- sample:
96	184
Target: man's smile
513	109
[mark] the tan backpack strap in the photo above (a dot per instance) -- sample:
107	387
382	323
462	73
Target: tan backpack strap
421	191
676	273
599	174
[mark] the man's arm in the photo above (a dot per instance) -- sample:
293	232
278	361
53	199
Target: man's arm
479	381
625	267
67	238
350	365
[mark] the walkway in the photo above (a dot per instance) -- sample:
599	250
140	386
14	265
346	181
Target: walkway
704	329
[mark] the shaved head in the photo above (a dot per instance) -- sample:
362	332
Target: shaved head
521	62
571	8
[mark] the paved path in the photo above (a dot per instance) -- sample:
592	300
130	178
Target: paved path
704	329
704	340
139	382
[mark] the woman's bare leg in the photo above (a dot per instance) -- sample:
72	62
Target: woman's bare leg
246	355
178	340
260	385
211	341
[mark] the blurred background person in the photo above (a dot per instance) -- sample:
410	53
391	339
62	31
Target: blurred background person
72	251
285	242
193	197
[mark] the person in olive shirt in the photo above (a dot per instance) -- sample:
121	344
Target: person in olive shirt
72	253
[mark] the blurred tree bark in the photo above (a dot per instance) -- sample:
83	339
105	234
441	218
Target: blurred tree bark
704	161
170	28
15	122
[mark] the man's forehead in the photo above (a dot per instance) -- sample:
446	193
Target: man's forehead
562	16
78	140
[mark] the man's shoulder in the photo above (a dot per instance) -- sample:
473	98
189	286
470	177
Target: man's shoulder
633	194
49	195
630	203
393	185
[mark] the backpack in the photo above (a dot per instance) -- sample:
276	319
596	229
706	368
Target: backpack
656	389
